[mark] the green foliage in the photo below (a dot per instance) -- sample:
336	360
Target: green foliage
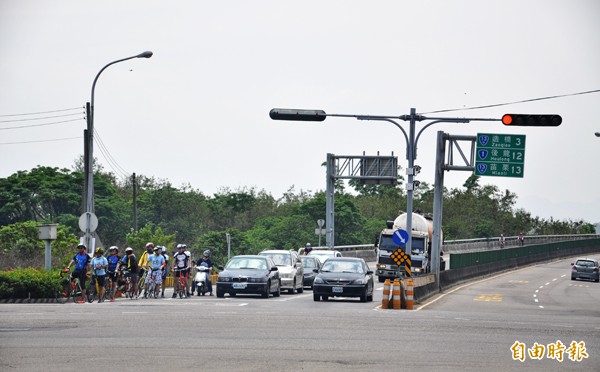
28	283
20	246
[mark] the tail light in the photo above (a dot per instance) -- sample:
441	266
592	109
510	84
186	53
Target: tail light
574	268
596	270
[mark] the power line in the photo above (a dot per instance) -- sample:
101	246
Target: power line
43	124
49	140
109	158
512	103
42	112
40	118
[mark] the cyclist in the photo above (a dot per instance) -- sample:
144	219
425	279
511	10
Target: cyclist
156	263
130	262
205	259
143	262
113	260
308	248
99	264
165	269
81	261
182	261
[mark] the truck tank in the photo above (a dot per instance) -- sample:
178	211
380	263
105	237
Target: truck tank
422	223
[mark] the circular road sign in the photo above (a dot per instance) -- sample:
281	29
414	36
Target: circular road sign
400	237
83	222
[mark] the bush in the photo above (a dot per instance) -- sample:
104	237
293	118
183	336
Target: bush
28	283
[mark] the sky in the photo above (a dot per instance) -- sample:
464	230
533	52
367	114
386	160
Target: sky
197	112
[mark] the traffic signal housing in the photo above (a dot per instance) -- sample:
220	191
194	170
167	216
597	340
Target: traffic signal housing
529	120
297	115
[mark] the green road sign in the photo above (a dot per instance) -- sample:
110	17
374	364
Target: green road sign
500	155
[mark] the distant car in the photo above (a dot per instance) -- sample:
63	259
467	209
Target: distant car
251	274
310	263
323	254
344	277
585	268
291	271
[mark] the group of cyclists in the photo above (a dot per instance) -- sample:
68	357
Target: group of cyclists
152	265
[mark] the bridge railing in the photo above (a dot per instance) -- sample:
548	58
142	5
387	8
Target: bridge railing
469	245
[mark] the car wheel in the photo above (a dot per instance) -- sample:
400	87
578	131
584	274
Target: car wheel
325	298
301	289
293	289
363	297
267	291
277	293
380	279
572	277
316	297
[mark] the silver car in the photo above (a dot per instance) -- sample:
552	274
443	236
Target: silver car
585	268
291	271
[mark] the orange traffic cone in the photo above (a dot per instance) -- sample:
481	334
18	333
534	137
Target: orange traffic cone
385	301
409	294
396	303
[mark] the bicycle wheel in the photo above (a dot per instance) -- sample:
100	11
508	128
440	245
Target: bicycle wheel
76	291
142	283
63	292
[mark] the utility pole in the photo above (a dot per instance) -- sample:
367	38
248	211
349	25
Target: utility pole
134	184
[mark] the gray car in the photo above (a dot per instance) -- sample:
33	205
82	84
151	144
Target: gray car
291	271
585	268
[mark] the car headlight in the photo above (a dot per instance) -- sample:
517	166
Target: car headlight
360	281
223	279
381	266
318	280
417	269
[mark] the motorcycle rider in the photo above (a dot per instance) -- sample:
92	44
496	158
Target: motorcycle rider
205	259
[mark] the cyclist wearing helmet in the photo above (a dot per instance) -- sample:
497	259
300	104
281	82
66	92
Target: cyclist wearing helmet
130	263
156	263
99	264
143	263
113	260
308	248
182	261
82	262
205	259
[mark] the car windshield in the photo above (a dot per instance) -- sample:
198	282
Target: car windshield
334	266
308	263
247	263
585	263
280	259
322	255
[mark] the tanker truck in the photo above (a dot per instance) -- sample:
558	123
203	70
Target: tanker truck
422	231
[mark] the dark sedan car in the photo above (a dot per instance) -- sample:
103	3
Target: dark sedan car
310	263
344	277
249	275
585	268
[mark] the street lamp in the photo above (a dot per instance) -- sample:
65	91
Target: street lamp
89	205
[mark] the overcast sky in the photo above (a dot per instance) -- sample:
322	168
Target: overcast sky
197	111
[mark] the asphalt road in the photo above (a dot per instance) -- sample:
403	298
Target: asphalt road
471	328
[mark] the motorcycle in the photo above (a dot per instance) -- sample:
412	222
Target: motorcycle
201	280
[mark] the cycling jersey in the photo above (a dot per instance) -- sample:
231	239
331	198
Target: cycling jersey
156	261
181	260
81	260
112	262
98	264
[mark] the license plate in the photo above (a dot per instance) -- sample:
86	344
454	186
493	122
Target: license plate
239	285
337	289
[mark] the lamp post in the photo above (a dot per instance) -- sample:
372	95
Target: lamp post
89	197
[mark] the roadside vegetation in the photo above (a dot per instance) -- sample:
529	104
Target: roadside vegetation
253	218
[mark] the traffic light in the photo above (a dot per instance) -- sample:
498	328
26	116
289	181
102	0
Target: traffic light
528	120
297	115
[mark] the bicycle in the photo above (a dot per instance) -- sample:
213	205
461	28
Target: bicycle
109	293
68	287
179	284
128	286
142	281
151	287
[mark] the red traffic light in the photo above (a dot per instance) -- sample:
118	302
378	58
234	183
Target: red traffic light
528	120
